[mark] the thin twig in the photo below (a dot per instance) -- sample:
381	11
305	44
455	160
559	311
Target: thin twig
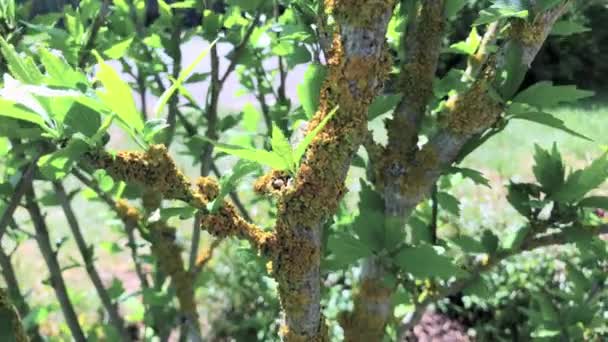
88	47
20	189
86	253
50	258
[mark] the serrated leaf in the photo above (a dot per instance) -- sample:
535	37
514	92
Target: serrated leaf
303	145
468	244
118	96
281	147
544	5
548	168
424	261
449	203
21	68
581	182
310	88
382	104
548	120
474	175
59	72
346	249
545	94
183	213
251	118
490	241
183	75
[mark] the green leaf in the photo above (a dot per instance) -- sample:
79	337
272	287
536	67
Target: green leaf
183	213
594	202
229	181
309	90
369	223
548	168
518	197
474	175
582	181
545	94
452	7
116	289
245	5
382	104
514	240
119	49
544	5
449	203
58	164
281	147
59	71
103	180
251	118
469	46
183	75
259	156
17	111
567	28
118	96
23	69
346	249
497	12
548	120
489	241
152	128
301	149
468	244
424	261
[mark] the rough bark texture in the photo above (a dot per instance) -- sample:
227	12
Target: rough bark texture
373	305
404	173
357	64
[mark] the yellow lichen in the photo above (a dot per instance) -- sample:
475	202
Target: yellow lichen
529	33
168	254
154	169
291	336
475	110
414	181
127	212
361	13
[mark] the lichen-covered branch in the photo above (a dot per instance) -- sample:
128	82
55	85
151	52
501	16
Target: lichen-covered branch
357	64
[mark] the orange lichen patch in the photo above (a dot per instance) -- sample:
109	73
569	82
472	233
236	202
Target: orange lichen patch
168	254
154	169
226	222
475	110
529	33
127	212
208	188
271	183
362	13
10	314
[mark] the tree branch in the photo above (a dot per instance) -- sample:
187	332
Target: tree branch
50	258
86	252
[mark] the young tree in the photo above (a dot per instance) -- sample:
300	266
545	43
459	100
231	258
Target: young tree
366	58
